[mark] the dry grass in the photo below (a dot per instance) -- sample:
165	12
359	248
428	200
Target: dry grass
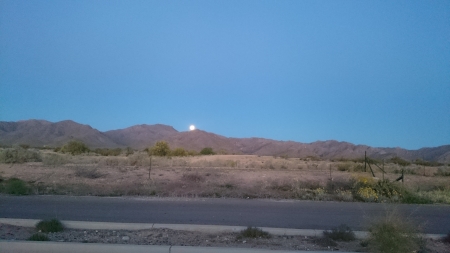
237	176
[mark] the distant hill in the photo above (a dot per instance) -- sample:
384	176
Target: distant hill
40	133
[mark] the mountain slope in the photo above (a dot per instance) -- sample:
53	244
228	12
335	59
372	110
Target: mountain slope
44	133
141	136
40	132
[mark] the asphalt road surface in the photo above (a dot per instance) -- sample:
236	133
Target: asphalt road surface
237	212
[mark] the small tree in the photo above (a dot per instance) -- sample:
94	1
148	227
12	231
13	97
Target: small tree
161	148
207	151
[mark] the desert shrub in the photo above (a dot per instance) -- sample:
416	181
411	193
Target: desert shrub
24	146
129	151
47	226
442	172
90	173
108	152
369	190
179	152
344	166
433	196
358	167
427	163
19	155
38	237
161	148
311	158
75	148
393	234
15	186
207	151
112	162
54	159
399	161
253	232
192	153
415	198
340	233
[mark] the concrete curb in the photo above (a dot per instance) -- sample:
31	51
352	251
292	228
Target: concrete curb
48	247
186	227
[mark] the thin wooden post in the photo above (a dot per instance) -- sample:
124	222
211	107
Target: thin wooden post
150	168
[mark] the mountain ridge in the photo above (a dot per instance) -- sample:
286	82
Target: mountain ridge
40	133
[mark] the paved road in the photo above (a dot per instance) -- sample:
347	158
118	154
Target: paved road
262	213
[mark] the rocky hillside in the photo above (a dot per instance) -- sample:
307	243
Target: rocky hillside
40	133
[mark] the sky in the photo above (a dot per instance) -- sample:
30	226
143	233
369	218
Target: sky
366	72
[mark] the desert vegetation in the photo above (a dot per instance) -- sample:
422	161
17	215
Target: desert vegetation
162	171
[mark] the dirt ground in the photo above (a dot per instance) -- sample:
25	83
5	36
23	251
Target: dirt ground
234	176
189	238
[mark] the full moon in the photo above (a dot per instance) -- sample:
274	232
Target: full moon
192	127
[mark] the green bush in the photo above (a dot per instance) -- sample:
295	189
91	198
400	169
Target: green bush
19	155
394	235
253	232
16	186
340	233
413	198
75	148
207	151
38	237
161	148
47	226
179	152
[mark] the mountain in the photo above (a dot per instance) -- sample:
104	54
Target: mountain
44	133
38	133
141	136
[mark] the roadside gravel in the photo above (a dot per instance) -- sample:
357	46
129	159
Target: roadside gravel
164	236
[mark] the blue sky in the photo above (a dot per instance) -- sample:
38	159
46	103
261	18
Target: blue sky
365	72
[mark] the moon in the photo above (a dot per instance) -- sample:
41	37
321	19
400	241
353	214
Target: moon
191	127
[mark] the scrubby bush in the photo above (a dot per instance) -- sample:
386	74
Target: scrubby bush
179	152
399	161
108	152
253	232
91	173
340	233
15	186
47	226
442	172
39	237
427	163
370	190
19	155
75	148
54	159
393	234
129	151
207	151
161	148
